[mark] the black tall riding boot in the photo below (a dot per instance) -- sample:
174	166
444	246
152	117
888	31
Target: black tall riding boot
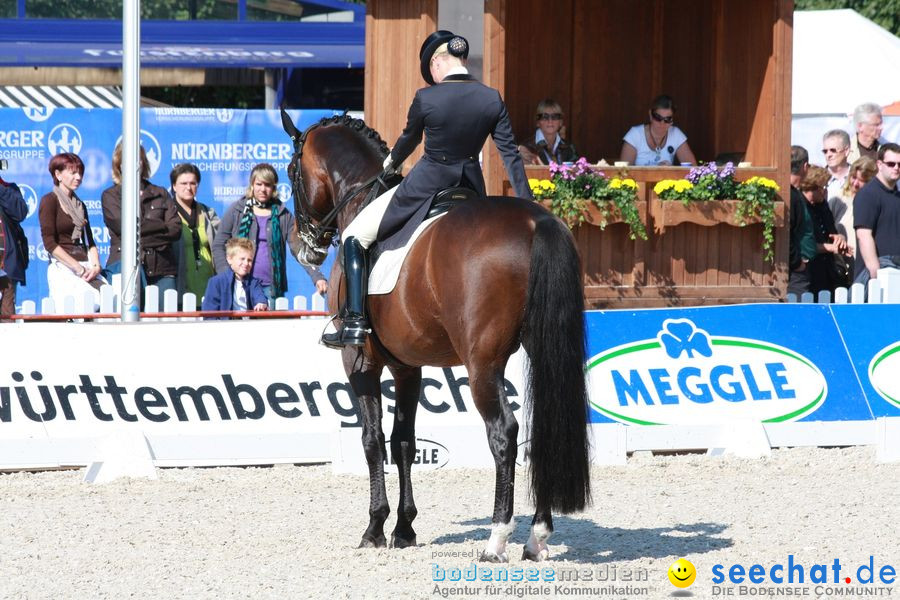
354	327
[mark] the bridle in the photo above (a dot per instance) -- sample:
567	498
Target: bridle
320	231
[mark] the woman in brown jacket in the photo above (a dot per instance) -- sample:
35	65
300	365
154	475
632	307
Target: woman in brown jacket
160	227
66	232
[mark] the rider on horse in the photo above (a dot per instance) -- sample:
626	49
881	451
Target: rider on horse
456	114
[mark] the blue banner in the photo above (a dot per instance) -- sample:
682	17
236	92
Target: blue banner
764	362
225	144
874	347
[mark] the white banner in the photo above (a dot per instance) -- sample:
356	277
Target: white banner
214	392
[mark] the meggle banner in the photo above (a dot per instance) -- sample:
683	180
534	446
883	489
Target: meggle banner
225	145
695	366
872	335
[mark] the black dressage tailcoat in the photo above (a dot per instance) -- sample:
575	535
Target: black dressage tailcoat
456	116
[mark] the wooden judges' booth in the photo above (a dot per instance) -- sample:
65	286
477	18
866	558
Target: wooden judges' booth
726	63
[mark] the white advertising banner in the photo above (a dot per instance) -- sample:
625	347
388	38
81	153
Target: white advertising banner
214	392
264	392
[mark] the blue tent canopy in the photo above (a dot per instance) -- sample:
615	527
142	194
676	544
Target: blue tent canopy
203	44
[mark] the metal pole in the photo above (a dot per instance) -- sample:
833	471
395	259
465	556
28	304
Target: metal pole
131	139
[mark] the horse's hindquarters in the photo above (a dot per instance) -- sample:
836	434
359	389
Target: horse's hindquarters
461	292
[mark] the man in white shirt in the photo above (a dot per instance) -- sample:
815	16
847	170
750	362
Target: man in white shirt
836	147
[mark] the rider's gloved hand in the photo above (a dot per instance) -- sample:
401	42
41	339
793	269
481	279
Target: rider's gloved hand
390	167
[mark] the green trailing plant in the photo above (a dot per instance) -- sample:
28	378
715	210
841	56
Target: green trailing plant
708	182
572	187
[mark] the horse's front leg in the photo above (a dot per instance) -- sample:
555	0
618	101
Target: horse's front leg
502	431
408	385
365	379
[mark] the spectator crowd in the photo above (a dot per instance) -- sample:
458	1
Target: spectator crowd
845	214
183	244
844	217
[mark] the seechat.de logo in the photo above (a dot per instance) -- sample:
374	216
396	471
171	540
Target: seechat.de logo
65	137
30	197
38	114
687	376
151	148
883	373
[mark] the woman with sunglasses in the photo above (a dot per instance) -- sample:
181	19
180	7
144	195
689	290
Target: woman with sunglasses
658	142
859	174
548	143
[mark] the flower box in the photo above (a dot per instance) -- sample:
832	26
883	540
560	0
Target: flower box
706	213
594	217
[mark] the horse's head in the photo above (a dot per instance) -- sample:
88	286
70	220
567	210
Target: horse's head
331	159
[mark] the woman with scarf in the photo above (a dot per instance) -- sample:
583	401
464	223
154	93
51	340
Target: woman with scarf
199	224
261	216
66	232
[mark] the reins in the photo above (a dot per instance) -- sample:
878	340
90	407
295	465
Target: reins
319	231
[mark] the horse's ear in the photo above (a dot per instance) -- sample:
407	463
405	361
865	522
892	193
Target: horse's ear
289	127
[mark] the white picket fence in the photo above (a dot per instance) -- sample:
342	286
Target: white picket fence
885	289
109	303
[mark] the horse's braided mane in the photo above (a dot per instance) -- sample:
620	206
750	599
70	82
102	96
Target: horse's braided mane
358	125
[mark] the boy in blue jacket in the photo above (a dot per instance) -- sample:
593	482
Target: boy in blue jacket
236	289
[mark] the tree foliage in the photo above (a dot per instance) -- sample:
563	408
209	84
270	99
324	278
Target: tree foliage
884	12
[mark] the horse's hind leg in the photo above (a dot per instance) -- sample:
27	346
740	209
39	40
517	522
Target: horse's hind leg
488	392
408	385
366	383
541	527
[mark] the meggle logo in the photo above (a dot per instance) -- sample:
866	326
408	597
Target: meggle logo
429	454
687	376
883	373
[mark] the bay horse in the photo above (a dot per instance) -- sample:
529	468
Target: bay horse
486	277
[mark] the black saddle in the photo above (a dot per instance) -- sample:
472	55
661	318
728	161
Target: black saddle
446	199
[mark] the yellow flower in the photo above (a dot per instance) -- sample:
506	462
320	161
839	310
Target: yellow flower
769	183
616	183
763	182
546	184
663	185
630	183
533	183
683	185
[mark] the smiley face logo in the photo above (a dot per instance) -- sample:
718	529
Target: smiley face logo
682	573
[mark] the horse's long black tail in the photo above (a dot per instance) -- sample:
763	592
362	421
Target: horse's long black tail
553	337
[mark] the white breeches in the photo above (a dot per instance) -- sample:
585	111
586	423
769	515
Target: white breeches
365	226
63	282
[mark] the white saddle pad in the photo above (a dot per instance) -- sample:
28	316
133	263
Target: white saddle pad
383	276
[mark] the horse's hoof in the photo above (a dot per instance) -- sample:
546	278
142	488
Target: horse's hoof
372	543
543	555
492	557
399	542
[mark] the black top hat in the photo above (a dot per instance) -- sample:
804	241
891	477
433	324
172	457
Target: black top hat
456	46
